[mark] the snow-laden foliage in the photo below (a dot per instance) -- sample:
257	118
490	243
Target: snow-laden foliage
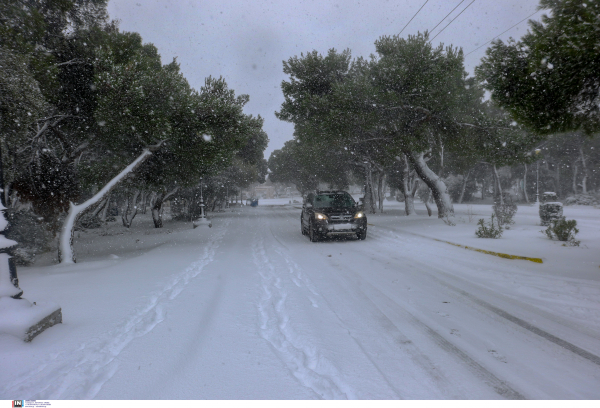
81	100
410	104
563	230
505	211
21	100
550	79
493	229
550	212
583	199
29	231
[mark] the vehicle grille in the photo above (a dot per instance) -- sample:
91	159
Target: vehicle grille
340	217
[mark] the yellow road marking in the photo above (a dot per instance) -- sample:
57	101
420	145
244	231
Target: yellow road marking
501	255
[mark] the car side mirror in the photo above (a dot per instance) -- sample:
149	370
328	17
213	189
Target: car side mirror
308	205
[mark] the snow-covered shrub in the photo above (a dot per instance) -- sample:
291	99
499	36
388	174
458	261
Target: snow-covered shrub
563	230
24	255
582	199
29	231
505	211
489	230
550	212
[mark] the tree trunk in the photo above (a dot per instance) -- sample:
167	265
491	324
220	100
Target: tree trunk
525	185
367	196
157	207
409	199
156	214
130	211
575	178
373	192
498	187
409	187
558	188
464	187
6	193
375	183
152	199
100	207
381	190
65	244
429	212
142	204
368	200
105	209
483	188
584	171
434	182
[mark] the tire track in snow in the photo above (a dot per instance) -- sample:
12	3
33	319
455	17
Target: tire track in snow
510	317
81	373
383	302
397	337
303	360
298	276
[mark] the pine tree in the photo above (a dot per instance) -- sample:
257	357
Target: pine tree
550	79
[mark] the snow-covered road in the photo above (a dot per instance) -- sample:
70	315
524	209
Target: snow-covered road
251	309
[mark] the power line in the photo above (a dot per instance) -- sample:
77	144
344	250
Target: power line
430	31
453	20
413	16
503	32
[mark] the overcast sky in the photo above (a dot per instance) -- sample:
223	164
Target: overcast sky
246	41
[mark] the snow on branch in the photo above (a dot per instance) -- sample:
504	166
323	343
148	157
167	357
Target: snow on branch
483	127
65	253
74	61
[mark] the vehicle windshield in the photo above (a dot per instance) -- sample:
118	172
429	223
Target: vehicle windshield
336	200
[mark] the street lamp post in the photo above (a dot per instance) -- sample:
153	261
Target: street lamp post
203	220
201	202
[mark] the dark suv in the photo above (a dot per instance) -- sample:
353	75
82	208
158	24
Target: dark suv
332	213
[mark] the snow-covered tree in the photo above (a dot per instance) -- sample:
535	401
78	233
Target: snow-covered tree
549	80
408	100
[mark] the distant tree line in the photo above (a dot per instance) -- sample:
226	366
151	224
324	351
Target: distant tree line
89	115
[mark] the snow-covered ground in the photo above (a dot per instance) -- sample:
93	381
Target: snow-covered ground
251	309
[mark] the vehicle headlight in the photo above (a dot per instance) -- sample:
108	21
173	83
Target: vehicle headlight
359	214
320	216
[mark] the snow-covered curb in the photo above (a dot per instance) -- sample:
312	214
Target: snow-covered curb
22	319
